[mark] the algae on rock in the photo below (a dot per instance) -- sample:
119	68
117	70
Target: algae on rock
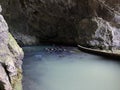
11	56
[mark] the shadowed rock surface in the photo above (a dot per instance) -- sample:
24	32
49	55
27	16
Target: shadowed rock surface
91	23
11	56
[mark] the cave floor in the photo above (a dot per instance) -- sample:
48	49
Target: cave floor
67	68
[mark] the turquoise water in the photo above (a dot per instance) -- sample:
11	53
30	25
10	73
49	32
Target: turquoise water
66	68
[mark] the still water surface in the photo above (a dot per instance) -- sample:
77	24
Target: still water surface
66	68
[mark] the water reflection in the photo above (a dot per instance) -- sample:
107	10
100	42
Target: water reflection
68	69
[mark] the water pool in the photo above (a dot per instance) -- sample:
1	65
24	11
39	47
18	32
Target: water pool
67	68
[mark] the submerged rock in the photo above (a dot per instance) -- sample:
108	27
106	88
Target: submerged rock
11	56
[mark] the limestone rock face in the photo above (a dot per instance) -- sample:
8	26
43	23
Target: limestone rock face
99	33
11	56
83	22
103	30
4	80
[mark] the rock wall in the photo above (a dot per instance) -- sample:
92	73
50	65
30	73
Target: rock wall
92	23
11	56
102	30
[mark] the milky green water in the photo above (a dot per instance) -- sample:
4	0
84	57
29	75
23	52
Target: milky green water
66	68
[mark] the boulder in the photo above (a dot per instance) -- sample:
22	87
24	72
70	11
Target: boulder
99	33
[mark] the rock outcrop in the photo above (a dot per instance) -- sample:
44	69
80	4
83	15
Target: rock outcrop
11	56
102	30
91	23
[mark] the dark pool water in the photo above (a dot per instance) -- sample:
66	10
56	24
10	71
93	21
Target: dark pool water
66	68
